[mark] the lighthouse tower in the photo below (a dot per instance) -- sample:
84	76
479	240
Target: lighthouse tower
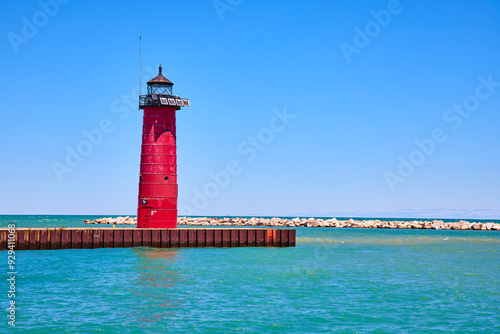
158	173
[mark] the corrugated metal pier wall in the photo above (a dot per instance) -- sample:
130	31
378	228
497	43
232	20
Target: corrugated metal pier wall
87	238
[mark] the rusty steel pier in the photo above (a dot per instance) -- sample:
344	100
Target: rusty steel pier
92	238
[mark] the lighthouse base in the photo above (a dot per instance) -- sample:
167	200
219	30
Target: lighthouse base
147	217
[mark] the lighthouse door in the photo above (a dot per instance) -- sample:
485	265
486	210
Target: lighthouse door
145	216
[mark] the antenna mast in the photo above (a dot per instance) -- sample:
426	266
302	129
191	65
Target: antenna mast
140	65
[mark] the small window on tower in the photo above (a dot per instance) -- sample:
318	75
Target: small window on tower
166	130
144	202
166	178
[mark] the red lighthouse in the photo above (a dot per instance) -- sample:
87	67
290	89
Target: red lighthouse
158	173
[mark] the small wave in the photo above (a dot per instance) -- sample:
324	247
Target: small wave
399	241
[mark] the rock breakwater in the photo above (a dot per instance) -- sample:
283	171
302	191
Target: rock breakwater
314	222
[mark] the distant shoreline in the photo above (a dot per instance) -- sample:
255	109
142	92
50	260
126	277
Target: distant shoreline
313	222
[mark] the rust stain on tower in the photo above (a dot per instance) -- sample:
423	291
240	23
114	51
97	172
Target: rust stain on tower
158	174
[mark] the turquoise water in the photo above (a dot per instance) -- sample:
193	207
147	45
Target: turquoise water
335	280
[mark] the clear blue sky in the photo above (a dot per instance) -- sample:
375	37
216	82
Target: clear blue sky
360	81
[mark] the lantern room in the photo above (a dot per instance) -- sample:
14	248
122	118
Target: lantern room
160	94
160	85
